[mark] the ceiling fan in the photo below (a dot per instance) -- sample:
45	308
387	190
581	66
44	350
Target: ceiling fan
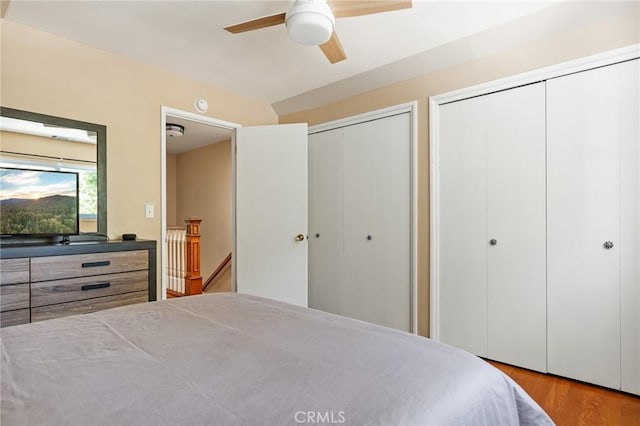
312	22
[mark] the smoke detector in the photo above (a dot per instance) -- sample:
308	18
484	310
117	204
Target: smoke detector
174	130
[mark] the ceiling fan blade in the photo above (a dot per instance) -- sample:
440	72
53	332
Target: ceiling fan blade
349	8
255	24
333	50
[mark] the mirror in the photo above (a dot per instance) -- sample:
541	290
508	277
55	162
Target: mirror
31	140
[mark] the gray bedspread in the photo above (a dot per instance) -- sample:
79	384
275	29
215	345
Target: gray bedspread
229	359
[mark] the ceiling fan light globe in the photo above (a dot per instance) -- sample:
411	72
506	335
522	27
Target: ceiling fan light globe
310	22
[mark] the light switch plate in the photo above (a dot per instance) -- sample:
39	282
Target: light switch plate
149	211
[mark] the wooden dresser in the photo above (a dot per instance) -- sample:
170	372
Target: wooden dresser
39	282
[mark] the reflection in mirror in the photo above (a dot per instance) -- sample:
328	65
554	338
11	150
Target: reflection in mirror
36	141
26	144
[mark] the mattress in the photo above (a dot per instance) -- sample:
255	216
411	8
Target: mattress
231	359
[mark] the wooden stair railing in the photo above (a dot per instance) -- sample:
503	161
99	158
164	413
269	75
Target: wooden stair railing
192	278
215	274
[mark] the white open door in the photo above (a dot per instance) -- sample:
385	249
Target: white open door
271	212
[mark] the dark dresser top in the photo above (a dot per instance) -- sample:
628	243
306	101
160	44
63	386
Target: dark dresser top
12	251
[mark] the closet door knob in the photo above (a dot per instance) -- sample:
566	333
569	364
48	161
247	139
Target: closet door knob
493	241
317	235
299	237
608	244
369	237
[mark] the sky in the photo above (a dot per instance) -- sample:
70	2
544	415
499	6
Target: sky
15	183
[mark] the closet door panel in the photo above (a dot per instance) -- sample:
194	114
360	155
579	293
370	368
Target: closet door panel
361	265
583	172
629	108
462	216
326	220
515	134
360	216
391	238
377	170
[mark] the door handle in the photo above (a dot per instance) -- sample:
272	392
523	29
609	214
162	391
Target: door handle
299	237
608	244
493	241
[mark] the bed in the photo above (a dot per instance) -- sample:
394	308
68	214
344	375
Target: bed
231	359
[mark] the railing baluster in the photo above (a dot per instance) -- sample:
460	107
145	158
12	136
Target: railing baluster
175	270
183	258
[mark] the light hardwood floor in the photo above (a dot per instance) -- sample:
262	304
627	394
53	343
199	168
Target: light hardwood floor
572	403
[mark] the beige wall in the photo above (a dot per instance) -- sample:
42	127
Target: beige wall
51	75
606	35
88	225
172	195
203	189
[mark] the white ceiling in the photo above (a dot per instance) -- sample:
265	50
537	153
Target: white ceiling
196	135
187	37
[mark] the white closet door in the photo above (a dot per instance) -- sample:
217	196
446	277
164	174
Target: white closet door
326	212
359	219
492	226
515	133
588	122
377	284
392	226
462	215
629	75
271	211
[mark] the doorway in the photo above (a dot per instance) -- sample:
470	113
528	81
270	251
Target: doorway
197	181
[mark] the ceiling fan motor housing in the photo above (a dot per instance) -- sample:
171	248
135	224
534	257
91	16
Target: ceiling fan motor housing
310	22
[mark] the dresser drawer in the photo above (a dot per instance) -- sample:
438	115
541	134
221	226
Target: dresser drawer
83	265
62	291
14	271
20	316
86	306
14	297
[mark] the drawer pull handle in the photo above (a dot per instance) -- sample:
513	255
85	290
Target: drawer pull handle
95	286
94	264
